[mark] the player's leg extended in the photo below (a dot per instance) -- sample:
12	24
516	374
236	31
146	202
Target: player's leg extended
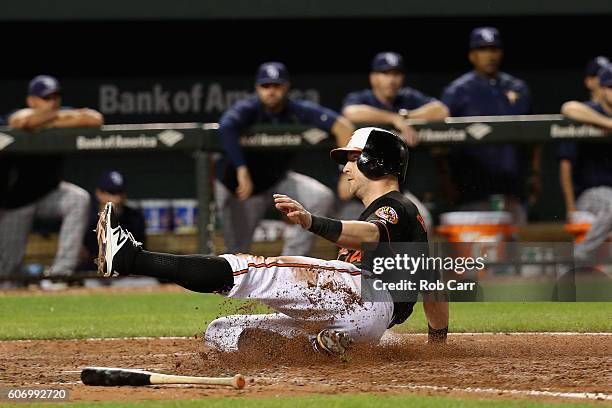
308	290
120	254
315	197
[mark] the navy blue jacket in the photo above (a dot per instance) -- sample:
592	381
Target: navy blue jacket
479	171
266	168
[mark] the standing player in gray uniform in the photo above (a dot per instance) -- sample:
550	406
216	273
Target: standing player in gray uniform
325	301
36	188
586	168
246	180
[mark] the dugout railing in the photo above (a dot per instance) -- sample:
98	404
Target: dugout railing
202	141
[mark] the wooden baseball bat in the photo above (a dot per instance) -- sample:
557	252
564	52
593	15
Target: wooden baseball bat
108	376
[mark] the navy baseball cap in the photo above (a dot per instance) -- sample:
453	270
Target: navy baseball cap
43	86
605	75
595	65
112	182
272	73
387	61
485	37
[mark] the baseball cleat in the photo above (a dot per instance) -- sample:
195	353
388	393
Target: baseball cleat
113	253
331	342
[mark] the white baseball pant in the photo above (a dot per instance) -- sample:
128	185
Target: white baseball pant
308	295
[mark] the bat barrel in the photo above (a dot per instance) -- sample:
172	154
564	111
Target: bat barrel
236	381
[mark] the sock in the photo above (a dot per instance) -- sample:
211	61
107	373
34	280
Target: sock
437	335
198	273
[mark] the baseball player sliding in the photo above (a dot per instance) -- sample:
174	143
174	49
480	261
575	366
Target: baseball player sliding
313	298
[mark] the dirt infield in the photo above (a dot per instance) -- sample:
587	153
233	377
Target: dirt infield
485	365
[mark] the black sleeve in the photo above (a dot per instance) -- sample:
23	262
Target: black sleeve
398	221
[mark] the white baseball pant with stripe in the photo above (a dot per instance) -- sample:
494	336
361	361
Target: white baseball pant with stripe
308	295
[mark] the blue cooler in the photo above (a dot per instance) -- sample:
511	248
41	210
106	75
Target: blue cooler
185	215
158	216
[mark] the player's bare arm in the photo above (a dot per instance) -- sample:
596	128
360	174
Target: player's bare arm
83	117
350	234
354	233
583	113
370	114
435	110
32	119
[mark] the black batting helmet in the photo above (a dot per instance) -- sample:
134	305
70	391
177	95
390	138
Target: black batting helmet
382	153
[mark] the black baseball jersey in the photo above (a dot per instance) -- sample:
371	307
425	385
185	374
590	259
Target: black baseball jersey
398	220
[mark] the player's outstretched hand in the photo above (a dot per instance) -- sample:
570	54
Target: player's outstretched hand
294	211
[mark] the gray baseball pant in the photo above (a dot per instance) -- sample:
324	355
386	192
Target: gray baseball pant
598	201
68	202
240	218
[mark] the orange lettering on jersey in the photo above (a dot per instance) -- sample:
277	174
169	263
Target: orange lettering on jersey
349	255
422	221
354	257
387	214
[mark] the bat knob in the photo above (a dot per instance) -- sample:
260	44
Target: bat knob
239	381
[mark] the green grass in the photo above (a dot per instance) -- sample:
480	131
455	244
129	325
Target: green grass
337	401
521	317
541	292
109	315
187	314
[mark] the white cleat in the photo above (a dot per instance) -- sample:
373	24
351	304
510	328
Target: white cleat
112	238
